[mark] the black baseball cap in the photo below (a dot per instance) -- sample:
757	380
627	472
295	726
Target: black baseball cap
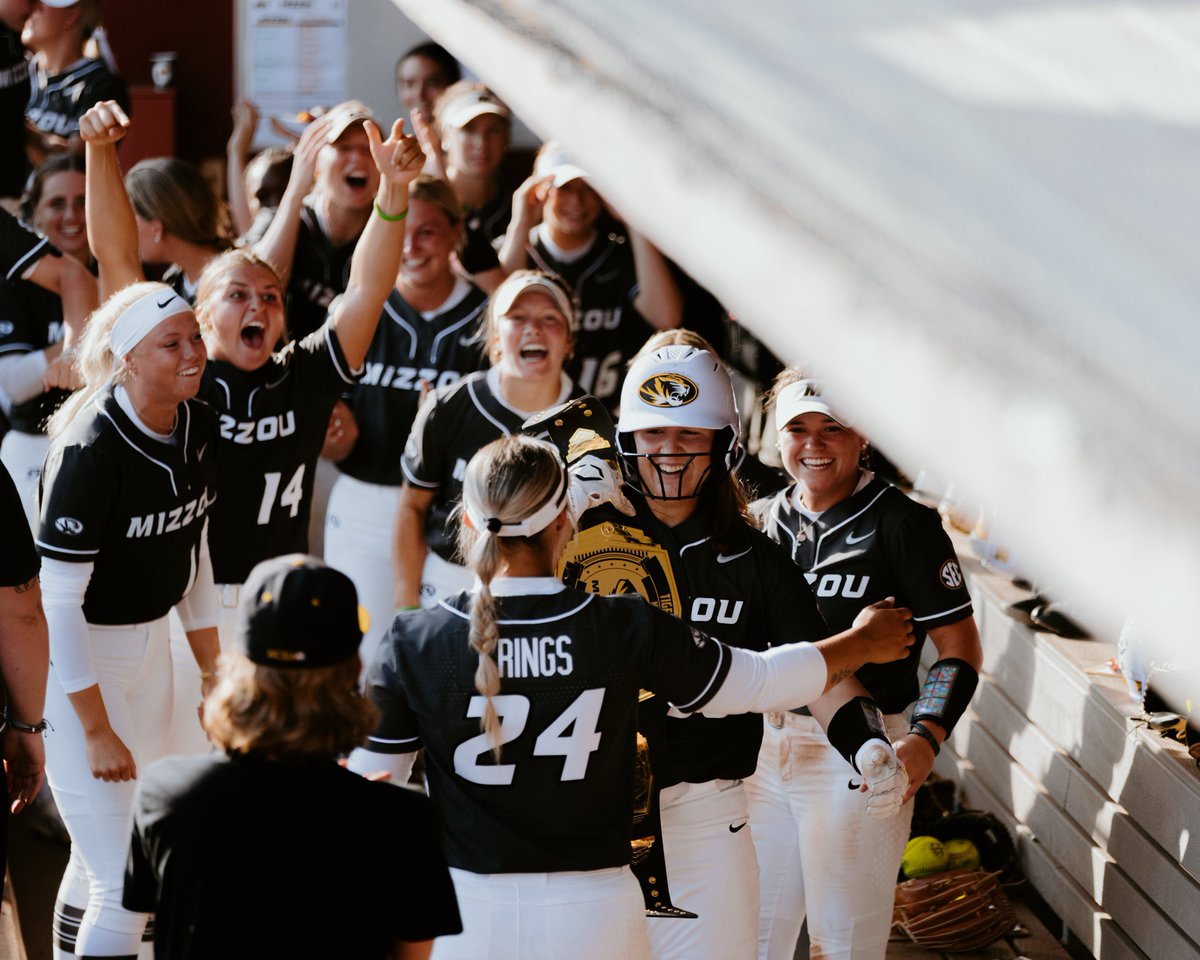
296	612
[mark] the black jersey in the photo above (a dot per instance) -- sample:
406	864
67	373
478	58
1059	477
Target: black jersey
746	592
409	349
451	426
876	543
14	92
485	227
571	665
132	505
19	559
56	103
20	247
177	280
272	423
320	271
244	858
604	281
30	320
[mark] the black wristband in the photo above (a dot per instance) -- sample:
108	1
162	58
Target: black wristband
855	722
923	731
948	689
40	727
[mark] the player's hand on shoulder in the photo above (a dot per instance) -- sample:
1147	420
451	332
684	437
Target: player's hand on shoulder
108	757
103	123
886	630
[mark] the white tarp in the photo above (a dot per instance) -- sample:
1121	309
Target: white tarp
980	223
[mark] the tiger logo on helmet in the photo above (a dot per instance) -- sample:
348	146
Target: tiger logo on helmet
668	390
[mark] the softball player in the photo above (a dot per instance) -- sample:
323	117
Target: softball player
427	340
530	332
690	550
63	83
31	325
471	136
622	286
857	539
325	208
127	485
524	695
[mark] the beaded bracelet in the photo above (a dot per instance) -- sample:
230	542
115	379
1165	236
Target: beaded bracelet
923	731
39	727
389	217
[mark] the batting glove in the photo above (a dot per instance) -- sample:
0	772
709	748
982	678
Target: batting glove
593	481
885	777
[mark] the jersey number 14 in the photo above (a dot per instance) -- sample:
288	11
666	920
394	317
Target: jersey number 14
576	747
292	494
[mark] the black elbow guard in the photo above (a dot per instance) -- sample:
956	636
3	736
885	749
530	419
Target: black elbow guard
948	689
856	722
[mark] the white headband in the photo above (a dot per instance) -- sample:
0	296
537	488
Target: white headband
142	316
536	522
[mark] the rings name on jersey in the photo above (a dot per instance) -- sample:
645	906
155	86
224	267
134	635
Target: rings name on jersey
258	431
612	559
668	390
406	378
519	657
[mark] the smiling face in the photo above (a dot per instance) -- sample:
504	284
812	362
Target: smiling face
532	339
243	317
59	213
822	456
429	240
346	174
572	209
674	461
166	365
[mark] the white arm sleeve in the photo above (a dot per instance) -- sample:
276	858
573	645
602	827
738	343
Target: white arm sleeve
21	375
399	765
779	679
63	587
198	608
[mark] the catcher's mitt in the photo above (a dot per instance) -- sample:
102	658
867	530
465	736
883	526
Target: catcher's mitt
955	911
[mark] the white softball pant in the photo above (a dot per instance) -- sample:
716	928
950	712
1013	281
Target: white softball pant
817	848
583	915
358	542
23	454
133	664
711	871
441	578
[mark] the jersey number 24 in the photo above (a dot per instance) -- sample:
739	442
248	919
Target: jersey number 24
576	747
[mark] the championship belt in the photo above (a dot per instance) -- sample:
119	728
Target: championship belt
609	559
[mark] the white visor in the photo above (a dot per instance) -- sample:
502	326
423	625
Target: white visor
512	289
142	316
803	396
536	522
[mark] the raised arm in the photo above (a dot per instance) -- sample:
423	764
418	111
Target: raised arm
278	245
409	548
528	201
241	140
658	298
378	253
111	227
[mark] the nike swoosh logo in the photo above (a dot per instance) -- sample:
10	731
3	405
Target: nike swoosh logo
851	538
733	829
721	558
200	452
165	302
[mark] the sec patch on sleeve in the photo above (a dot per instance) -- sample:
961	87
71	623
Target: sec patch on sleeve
951	575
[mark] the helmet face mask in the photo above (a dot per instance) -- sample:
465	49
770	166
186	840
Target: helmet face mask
677	387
